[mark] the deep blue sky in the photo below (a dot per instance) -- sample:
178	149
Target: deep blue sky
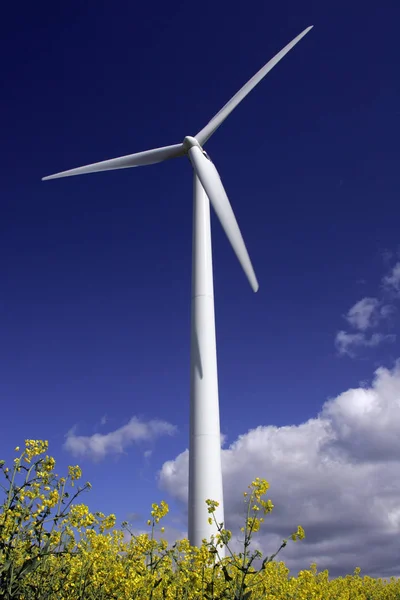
95	270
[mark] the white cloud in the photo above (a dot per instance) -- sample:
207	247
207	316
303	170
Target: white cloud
364	313
336	475
349	343
391	282
99	445
368	313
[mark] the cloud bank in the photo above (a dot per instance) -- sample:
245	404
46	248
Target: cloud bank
337	475
98	445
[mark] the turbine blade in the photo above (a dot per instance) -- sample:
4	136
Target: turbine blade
148	157
212	184
220	117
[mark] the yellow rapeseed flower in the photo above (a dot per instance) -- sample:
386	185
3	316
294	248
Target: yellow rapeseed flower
74	472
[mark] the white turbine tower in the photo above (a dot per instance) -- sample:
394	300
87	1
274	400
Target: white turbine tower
205	473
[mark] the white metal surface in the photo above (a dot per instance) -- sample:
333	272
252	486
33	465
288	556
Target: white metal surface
205	134
205	473
212	184
140	159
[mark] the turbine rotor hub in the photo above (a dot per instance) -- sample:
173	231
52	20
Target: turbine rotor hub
191	142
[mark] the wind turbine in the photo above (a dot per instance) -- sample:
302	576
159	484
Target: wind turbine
205	473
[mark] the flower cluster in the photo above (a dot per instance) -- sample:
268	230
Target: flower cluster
54	548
